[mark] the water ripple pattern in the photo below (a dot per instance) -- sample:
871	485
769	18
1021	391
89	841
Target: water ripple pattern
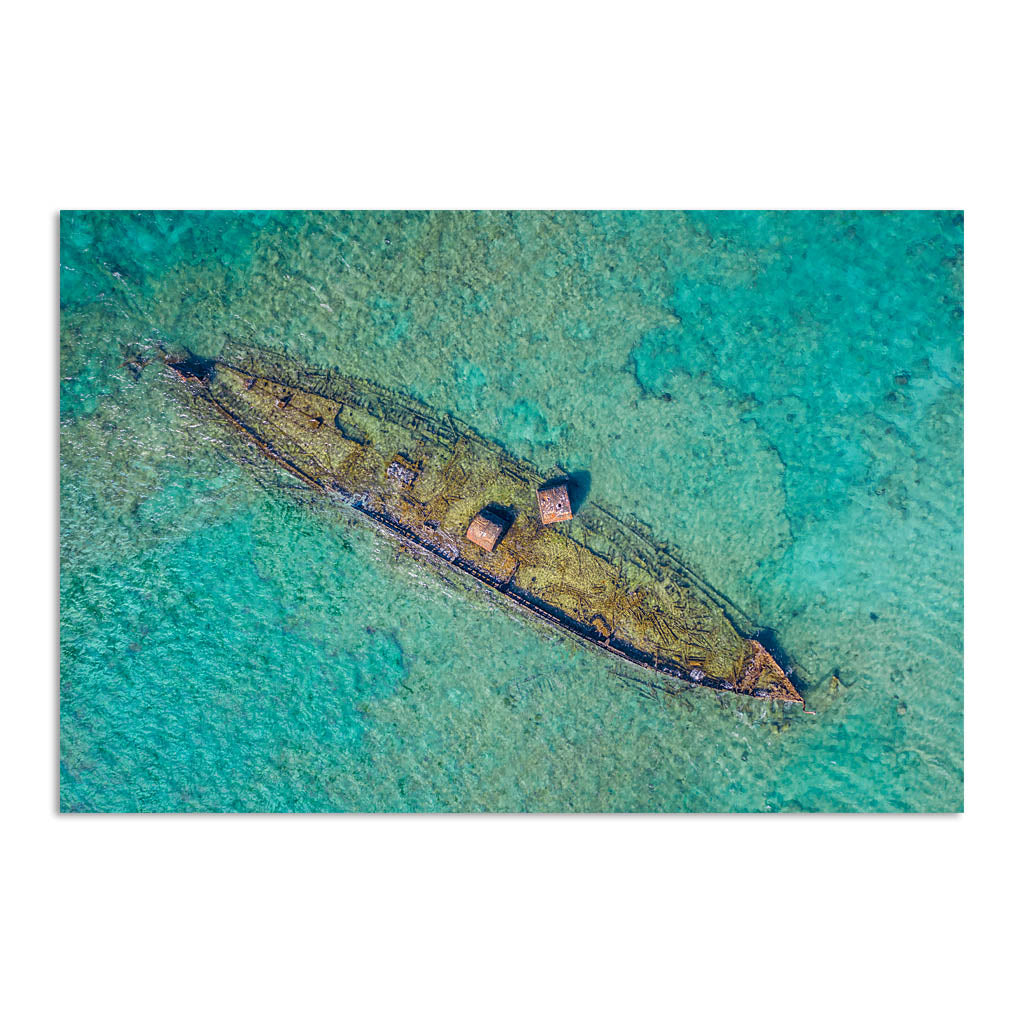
780	395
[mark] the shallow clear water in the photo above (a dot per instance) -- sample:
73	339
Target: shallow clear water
779	395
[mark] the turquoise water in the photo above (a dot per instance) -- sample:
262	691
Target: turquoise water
779	395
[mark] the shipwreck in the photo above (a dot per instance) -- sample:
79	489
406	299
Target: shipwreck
462	503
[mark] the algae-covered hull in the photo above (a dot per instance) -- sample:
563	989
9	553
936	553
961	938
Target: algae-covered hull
424	478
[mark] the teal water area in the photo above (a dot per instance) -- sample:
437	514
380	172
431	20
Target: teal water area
778	395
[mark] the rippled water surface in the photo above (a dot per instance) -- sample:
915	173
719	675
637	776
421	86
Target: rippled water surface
778	395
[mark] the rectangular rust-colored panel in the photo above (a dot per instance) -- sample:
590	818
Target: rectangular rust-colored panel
554	504
485	531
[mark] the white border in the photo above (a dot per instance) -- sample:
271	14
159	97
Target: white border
536	105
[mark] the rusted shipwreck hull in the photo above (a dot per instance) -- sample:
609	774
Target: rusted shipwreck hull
424	479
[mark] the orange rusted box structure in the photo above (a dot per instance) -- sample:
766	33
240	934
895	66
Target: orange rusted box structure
485	530
554	504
